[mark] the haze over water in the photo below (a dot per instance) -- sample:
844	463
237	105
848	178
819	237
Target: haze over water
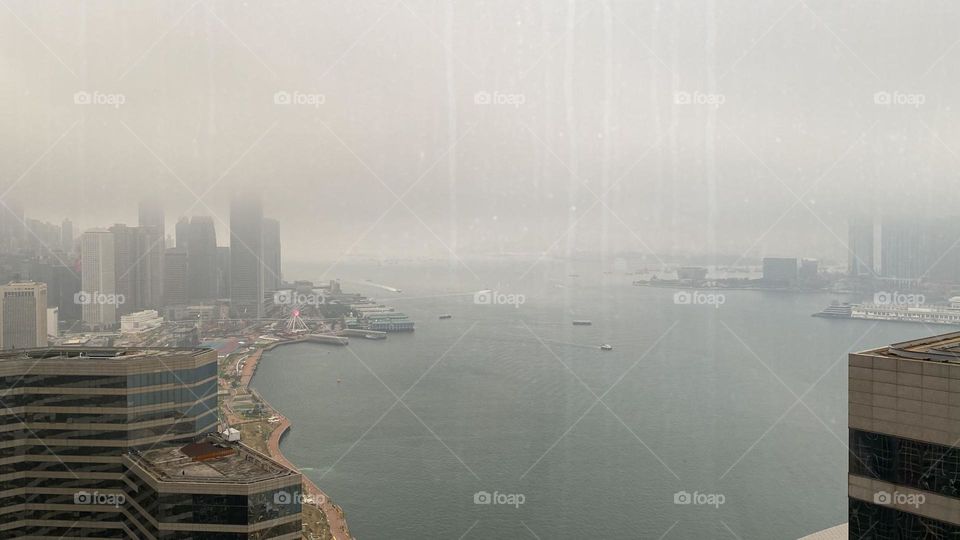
698	401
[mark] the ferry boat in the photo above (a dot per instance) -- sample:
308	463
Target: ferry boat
582	322
923	314
606	347
836	311
446	316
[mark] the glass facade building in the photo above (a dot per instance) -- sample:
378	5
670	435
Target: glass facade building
75	421
904	424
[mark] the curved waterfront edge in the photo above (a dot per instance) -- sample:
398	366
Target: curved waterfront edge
336	519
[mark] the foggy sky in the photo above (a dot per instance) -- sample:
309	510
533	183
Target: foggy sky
599	84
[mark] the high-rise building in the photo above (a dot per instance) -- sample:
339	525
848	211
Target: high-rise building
175	277
137	267
23	315
246	257
66	236
900	249
904	426
98	295
223	272
861	260
122	443
272	277
201	239
150	214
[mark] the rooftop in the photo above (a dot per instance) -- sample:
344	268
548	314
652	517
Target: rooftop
73	352
941	348
210	460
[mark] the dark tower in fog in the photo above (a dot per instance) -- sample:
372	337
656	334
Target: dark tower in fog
246	257
272	278
201	248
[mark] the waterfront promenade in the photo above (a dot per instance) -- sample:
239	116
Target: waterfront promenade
335	515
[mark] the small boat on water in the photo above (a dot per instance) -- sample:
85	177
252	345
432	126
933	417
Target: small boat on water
606	347
446	316
582	322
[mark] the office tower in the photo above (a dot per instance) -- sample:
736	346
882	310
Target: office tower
62	289
182	232
137	267
940	250
223	272
66	236
175	277
861	247
23	315
904	426
98	295
150	214
151	218
12	227
900	249
201	238
246	257
271	255
121	443
53	322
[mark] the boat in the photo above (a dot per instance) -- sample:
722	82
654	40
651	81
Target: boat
582	322
446	316
836	311
606	347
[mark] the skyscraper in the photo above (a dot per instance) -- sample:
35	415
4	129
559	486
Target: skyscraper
121	443
900	248
175	277
860	244
201	239
246	257
136	267
903	422
151	219
66	236
99	287
272	277
23	315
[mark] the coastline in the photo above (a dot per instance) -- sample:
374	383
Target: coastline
336	519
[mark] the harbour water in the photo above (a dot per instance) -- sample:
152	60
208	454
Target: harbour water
511	398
